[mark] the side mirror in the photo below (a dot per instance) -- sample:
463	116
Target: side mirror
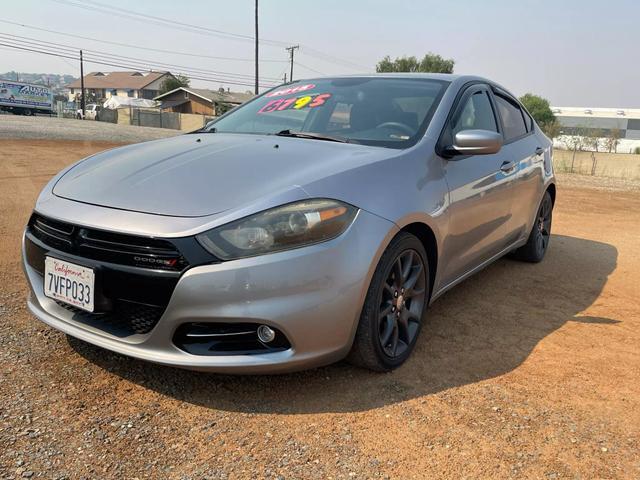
476	142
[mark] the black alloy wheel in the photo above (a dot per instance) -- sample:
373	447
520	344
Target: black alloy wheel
394	307
543	224
401	304
540	235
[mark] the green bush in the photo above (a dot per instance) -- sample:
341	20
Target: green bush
637	151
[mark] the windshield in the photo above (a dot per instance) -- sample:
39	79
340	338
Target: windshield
388	112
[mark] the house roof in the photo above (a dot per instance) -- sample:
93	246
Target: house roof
214	96
173	103
125	80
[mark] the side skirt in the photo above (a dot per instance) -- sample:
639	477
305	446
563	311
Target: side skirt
481	266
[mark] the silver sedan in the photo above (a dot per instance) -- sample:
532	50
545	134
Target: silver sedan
316	222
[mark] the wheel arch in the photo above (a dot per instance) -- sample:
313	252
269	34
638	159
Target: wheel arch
427	237
552	191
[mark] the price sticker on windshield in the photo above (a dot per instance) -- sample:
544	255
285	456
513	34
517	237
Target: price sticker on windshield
290	90
295	103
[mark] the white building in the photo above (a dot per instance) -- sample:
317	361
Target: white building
583	120
104	85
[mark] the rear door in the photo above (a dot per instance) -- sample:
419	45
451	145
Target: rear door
480	189
526	150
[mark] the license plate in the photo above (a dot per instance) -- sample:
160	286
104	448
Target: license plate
69	283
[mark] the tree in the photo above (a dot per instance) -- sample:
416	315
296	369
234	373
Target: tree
541	112
574	141
552	129
538	107
430	63
613	139
88	98
594	138
171	83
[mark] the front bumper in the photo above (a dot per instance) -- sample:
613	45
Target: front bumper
313	295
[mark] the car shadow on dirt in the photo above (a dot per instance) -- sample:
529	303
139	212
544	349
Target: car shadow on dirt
485	327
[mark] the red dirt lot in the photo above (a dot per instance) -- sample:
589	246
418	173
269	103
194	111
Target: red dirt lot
523	371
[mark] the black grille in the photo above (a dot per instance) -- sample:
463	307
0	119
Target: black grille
130	295
122	249
125	319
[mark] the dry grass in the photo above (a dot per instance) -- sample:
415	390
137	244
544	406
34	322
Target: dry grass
613	165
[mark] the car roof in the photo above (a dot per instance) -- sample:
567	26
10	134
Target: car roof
450	77
457	79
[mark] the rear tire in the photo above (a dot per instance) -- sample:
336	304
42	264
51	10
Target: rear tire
394	307
534	250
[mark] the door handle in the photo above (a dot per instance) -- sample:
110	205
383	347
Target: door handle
539	151
507	167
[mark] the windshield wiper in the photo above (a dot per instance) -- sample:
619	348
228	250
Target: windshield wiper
202	130
314	136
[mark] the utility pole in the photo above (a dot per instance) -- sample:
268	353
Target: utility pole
285	78
256	86
291	49
81	86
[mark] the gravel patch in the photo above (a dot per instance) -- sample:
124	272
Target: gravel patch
50	128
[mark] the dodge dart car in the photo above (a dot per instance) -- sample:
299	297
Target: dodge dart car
313	223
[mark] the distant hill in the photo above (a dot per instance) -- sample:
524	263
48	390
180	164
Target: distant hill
55	81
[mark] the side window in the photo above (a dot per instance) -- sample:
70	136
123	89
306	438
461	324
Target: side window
475	114
512	118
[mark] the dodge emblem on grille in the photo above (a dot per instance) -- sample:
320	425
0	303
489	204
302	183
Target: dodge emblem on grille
156	261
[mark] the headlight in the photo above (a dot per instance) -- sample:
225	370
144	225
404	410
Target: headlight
289	226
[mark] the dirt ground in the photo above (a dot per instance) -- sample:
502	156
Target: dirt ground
523	371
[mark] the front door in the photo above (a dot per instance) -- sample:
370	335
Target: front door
480	191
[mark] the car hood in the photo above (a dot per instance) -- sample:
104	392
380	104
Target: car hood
204	174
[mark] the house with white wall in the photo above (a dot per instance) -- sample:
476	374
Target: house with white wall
134	84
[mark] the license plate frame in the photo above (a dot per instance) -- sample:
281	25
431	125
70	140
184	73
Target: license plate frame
70	283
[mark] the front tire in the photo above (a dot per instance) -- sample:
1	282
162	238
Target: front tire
394	307
534	250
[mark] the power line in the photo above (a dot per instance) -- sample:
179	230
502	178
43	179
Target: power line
183	26
35	41
139	47
331	59
140	63
309	68
133	15
123	65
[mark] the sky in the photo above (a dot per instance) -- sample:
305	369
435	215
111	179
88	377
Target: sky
572	52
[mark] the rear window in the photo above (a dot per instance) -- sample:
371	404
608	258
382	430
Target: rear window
512	118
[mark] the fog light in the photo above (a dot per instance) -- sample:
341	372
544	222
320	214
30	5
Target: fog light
266	334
